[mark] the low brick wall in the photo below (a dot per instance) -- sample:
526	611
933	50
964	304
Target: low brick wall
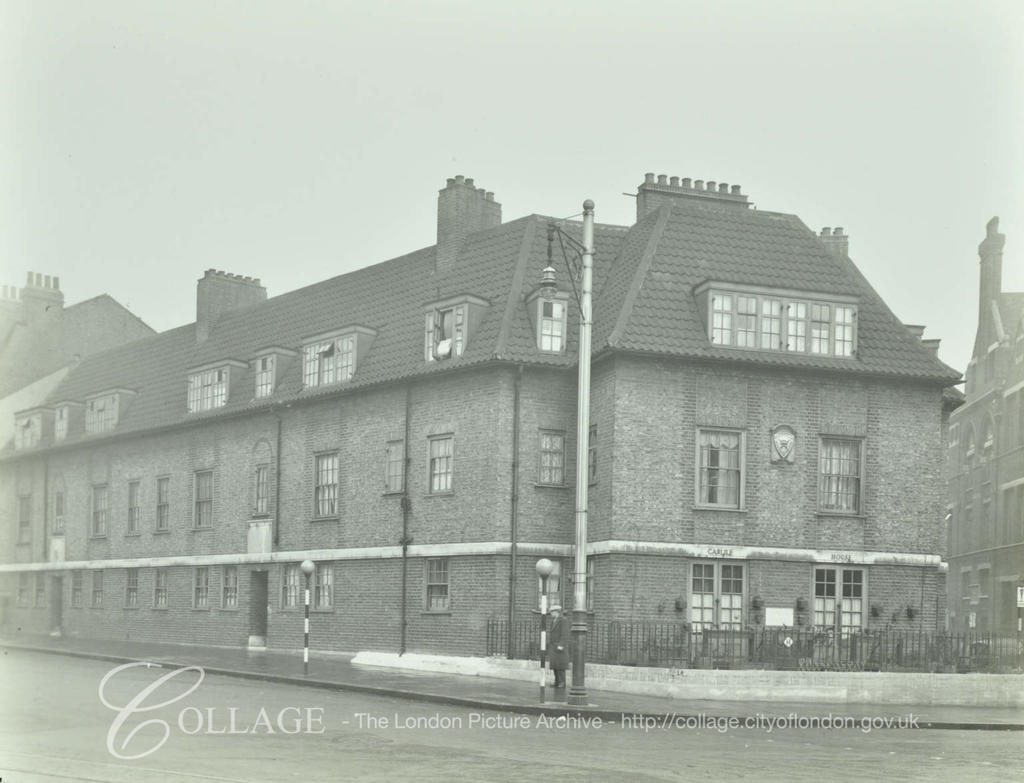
962	690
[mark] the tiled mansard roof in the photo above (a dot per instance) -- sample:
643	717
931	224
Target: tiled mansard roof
644	282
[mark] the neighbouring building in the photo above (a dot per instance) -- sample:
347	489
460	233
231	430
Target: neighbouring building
986	460
766	444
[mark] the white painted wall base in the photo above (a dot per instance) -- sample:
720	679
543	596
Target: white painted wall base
961	690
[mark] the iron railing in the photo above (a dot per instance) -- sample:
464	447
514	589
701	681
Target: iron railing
677	645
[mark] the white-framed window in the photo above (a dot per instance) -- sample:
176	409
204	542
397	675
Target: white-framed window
441	463
552	458
840	474
40	589
394	466
323	586
821	323
131	587
329	361
771	323
60	422
265	368
839	595
160	588
291	586
796	326
58	512
76	589
720	465
325	491
101	414
133	507
97	588
203	505
552	326
436	585
25	519
261	501
746	321
229	587
163	503
988	440
100	504
969	446
201	587
207	389
721	319
716	596
446	329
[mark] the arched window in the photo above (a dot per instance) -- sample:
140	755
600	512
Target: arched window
988	440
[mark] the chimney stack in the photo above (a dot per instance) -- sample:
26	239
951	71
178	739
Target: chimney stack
219	292
836	242
462	209
653	192
990	256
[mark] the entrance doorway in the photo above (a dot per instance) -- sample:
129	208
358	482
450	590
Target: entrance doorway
258	594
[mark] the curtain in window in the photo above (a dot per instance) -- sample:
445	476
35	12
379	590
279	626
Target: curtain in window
840	475
720	468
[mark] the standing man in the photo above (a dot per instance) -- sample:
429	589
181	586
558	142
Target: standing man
559	645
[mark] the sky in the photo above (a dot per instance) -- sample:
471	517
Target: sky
144	142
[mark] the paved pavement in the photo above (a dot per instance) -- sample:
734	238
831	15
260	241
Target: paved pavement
337	672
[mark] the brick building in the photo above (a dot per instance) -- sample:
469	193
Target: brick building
986	459
766	444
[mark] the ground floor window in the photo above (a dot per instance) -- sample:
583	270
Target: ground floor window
76	588
160	588
437	598
839	599
229	598
97	588
131	587
201	588
323	592
23	589
716	596
290	586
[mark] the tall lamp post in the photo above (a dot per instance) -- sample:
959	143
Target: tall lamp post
307	570
544	568
577	690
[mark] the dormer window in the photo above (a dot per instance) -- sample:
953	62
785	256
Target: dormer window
329	361
552	326
28	431
449	325
779	321
446	332
265	371
207	389
60	422
334	357
101	414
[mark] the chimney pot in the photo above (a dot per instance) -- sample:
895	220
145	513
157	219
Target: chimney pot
451	181
56	282
698	184
649	178
489	195
735	190
711	185
662	179
46	281
459	179
837	231
826	231
723	187
687	182
674	181
469	182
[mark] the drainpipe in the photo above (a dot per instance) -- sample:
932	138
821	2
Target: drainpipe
406	511
46	506
514	521
277	482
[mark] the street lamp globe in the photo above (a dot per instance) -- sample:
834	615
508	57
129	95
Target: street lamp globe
307	568
544	568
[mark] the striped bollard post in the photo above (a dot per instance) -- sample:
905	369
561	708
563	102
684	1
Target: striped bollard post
544	568
307	569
